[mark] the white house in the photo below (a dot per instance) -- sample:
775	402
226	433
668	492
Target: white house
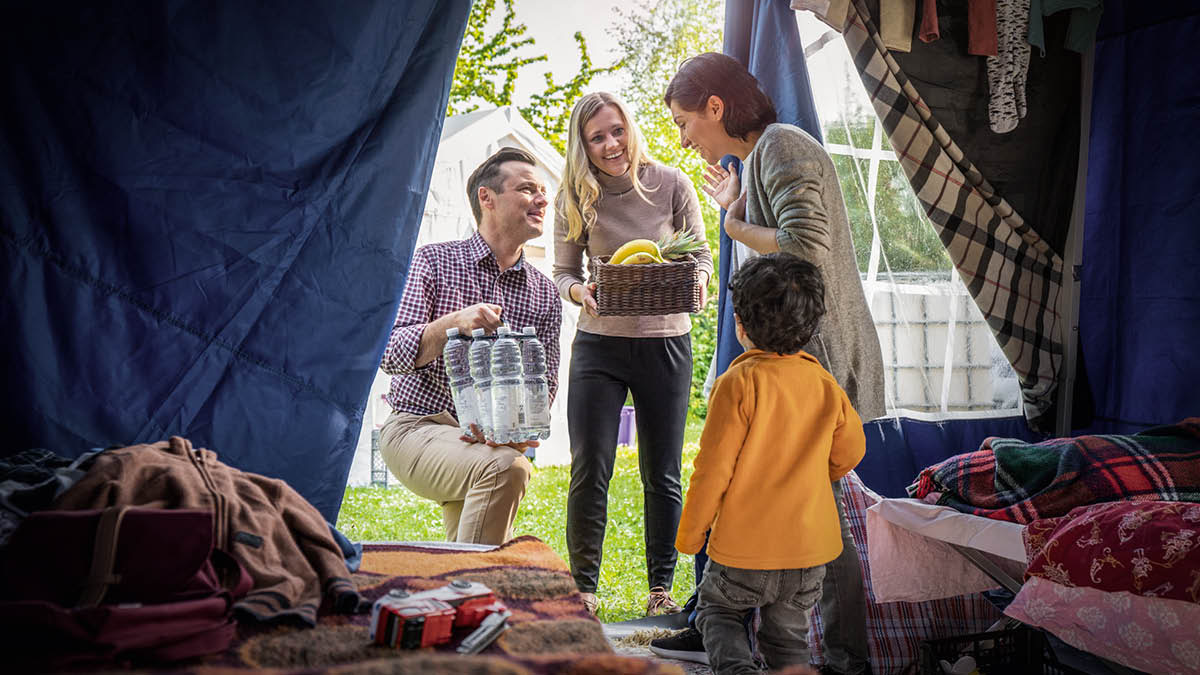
466	141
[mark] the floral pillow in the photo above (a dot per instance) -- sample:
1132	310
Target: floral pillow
1153	635
1150	549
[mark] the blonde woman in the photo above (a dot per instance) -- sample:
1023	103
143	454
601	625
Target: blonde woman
612	192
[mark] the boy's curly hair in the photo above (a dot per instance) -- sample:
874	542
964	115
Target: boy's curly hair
780	300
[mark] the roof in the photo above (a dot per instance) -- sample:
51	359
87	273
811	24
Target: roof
482	128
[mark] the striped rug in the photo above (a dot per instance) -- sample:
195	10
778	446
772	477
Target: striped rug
550	631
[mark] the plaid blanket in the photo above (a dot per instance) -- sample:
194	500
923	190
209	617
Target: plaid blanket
1010	479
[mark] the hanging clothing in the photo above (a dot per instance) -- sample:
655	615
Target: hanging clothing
929	22
981	28
832	12
896	24
1008	69
1081	28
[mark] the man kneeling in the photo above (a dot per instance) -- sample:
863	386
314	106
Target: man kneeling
478	282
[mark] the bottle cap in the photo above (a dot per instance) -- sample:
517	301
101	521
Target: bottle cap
529	330
478	332
503	330
452	332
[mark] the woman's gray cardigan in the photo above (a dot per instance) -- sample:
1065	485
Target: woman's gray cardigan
791	186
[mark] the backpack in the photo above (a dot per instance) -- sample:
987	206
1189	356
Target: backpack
122	585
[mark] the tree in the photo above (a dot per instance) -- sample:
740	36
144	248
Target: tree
488	66
654	40
909	242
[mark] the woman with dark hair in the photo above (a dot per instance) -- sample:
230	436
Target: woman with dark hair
788	199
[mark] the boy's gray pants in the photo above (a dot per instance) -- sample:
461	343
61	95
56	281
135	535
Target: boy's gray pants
784	599
843	600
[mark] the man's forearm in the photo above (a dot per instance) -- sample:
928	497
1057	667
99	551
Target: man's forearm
433	341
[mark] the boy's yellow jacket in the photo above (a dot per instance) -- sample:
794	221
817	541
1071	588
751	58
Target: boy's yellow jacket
779	431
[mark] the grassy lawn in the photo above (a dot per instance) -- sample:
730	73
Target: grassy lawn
395	514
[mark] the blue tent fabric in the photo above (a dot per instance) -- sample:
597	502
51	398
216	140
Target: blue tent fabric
728	348
763	36
898	448
206	216
1139	278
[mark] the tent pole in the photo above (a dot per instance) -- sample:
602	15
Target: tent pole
1073	255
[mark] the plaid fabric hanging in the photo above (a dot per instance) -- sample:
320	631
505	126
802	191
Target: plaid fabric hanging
1013	275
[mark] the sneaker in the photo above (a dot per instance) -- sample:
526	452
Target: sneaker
686	645
590	602
660	602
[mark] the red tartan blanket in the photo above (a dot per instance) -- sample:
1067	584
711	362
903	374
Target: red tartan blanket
1011	479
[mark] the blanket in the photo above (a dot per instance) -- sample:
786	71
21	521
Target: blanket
1142	548
550	631
1017	481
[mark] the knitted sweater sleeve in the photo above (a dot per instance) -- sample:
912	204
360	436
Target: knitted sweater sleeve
794	181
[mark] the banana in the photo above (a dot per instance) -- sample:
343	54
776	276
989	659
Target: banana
641	258
635	246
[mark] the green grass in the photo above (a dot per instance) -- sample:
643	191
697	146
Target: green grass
395	514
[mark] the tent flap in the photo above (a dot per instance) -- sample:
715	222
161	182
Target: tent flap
1139	281
207	213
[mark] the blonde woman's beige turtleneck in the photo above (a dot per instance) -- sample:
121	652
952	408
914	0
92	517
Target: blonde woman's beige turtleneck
622	215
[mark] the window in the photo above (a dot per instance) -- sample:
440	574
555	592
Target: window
939	354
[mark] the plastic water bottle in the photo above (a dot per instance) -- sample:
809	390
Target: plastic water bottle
536	387
456	356
481	372
506	388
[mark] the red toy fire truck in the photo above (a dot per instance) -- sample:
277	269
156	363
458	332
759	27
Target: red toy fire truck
413	620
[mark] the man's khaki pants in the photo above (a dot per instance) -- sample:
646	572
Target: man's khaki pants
478	486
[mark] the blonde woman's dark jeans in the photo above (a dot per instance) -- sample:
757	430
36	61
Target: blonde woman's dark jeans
658	373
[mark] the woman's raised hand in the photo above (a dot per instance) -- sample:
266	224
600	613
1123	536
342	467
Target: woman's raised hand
722	185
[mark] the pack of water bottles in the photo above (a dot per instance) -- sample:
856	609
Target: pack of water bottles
499	384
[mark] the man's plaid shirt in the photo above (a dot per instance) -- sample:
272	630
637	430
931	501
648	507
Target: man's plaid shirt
446	277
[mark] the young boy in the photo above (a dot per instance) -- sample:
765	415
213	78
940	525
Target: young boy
779	431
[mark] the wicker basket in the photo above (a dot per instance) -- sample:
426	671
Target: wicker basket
640	290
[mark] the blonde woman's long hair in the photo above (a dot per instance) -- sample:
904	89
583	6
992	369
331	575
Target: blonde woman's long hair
580	190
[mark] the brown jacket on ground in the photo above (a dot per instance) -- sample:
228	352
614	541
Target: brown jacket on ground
282	540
